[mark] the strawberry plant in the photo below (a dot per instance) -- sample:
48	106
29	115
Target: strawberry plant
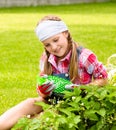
86	108
111	68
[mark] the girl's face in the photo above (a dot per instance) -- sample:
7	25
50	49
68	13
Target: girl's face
57	45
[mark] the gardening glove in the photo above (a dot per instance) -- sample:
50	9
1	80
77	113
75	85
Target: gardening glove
46	88
71	86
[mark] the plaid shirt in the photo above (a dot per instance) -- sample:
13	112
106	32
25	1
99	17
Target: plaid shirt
88	66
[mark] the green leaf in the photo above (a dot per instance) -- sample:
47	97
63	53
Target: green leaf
103	94
91	114
74	106
22	123
77	119
44	105
113	128
96	105
77	99
112	97
98	126
49	114
65	111
34	124
77	91
62	120
101	112
68	94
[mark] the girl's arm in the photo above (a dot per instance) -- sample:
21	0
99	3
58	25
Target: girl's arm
96	69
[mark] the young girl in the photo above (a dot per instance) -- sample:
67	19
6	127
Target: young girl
62	57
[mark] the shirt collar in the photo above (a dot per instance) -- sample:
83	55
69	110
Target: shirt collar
53	59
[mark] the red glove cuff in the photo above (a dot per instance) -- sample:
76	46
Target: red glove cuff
43	89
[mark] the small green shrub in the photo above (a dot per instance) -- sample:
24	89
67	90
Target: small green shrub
86	108
111	68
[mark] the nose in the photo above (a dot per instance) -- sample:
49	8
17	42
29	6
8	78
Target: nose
54	46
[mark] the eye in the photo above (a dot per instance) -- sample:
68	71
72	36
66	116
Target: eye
47	45
55	40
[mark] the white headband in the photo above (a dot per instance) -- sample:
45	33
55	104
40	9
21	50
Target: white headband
49	28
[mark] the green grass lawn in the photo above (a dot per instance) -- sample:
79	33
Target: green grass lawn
91	25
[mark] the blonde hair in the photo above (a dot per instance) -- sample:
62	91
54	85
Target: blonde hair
73	70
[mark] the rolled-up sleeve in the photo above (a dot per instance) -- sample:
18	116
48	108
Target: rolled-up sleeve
94	67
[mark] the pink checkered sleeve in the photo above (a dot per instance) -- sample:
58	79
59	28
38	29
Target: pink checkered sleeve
94	67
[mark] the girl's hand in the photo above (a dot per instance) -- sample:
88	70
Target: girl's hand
71	86
46	88
98	82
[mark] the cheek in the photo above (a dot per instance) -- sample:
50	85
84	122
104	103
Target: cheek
64	42
47	49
